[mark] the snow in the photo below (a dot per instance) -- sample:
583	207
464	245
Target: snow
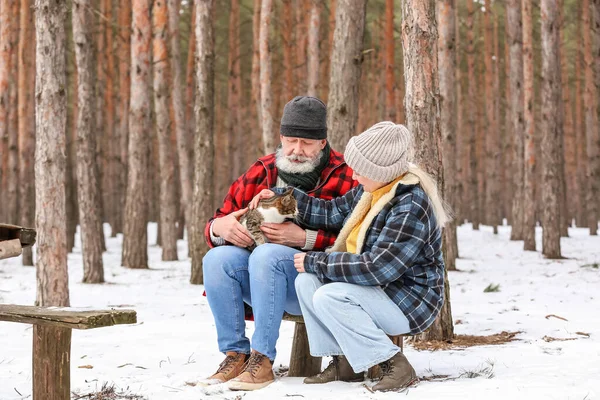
174	342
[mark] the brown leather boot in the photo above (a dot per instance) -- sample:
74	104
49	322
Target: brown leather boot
257	373
231	367
339	369
396	374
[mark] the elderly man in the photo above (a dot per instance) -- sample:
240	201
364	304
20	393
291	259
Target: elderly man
265	278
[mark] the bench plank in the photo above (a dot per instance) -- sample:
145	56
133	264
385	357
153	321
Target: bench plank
66	317
26	236
10	248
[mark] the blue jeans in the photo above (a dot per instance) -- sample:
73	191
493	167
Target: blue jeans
350	320
263	279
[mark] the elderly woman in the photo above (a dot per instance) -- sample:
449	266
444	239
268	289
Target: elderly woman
385	273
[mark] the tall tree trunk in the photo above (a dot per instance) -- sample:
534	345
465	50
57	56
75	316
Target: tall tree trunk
328	51
591	121
472	117
234	88
346	63
595	10
87	185
528	118
288	68
580	130
447	85
204	145
302	19
551	129
265	77
419	38
569	133
50	162
135	237
9	25
255	78
492	150
481	133
390	86
102	142
184	147
168	188
461	194
313	47
26	84
190	96
122	133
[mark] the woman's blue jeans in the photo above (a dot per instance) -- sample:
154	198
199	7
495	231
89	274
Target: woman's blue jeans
350	320
263	279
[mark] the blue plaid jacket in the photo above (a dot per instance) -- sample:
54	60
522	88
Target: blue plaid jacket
402	251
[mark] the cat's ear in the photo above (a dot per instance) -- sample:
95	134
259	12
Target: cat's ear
289	191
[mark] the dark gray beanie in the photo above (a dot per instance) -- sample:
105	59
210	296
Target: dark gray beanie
304	117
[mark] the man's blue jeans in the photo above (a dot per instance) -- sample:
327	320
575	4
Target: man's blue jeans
352	320
264	279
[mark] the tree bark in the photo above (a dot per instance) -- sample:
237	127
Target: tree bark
51	379
390	84
313	47
87	185
265	77
286	35
447	85
135	238
122	132
591	120
472	118
234	86
50	161
255	77
204	145
302	19
168	206
551	129
26	84
528	118
328	51
580	130
346	64
419	38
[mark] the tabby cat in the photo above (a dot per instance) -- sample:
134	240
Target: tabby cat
272	210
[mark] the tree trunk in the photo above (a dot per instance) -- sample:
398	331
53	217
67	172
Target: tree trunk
50	161
9	25
390	62
122	133
265	77
87	185
580	131
491	132
313	47
472	117
447	84
302	17
288	69
591	121
204	150
461	194
551	129
101	142
234	88
346	63
528	117
184	147
135	237
419	38
190	83
255	77
168	206
111	147
26	84
328	51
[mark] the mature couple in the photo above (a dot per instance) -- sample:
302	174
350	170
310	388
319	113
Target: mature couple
363	260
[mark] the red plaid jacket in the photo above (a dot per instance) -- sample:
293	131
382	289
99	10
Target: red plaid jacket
336	180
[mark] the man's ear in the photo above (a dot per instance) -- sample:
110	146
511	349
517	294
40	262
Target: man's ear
323	143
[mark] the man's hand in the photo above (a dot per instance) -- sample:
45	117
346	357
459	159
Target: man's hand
299	262
287	234
263	194
230	229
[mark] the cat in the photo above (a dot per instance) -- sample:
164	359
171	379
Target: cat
272	210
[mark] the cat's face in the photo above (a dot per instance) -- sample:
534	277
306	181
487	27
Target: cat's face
285	203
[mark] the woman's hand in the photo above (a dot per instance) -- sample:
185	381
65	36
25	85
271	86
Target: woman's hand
263	194
299	262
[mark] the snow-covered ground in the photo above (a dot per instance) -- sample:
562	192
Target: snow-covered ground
174	342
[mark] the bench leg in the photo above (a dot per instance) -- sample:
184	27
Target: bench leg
301	362
51	363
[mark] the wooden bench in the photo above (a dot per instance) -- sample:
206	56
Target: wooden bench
13	239
52	341
303	364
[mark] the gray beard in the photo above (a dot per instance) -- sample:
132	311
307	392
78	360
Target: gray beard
285	163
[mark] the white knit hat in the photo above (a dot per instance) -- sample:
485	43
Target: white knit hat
382	152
